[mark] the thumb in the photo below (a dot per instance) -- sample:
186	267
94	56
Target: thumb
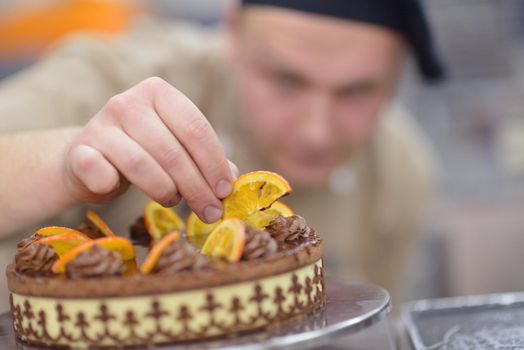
90	177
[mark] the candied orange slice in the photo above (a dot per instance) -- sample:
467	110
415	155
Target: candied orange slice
226	241
58	230
253	192
131	267
197	231
118	244
260	219
99	223
281	209
63	243
59	265
160	221
149	264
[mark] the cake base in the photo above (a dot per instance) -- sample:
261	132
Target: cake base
167	317
351	306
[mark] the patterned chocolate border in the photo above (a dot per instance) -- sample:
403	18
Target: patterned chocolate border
169	317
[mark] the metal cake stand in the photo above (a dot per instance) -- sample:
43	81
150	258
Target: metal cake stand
350	307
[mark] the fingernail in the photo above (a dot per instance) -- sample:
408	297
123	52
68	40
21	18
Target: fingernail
224	188
212	214
176	199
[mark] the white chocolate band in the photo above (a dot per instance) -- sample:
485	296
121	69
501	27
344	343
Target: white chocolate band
169	317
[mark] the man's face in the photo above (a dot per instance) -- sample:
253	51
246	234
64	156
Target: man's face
312	86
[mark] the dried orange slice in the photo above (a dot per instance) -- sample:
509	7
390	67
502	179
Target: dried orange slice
282	209
160	221
260	219
99	223
63	243
197	231
59	265
253	192
118	244
149	264
226	241
58	230
131	267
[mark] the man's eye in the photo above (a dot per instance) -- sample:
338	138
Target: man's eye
287	81
357	91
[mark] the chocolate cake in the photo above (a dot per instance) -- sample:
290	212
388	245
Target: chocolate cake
102	301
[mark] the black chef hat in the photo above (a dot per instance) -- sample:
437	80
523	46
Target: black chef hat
406	17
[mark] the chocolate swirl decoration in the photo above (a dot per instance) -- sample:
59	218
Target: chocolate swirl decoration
138	232
95	262
33	258
26	241
287	229
90	229
179	256
258	244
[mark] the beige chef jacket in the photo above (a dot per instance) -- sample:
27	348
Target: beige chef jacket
370	213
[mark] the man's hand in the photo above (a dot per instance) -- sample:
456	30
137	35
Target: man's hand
155	138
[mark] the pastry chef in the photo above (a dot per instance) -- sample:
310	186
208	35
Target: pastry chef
302	88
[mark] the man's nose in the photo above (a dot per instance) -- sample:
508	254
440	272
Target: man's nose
316	128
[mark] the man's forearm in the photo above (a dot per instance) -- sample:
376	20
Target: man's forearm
31	181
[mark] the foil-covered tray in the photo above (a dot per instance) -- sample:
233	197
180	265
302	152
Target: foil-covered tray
482	322
350	307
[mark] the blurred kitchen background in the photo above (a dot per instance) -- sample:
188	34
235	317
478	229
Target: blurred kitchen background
474	237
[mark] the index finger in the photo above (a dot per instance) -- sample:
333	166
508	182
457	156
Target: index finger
197	136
